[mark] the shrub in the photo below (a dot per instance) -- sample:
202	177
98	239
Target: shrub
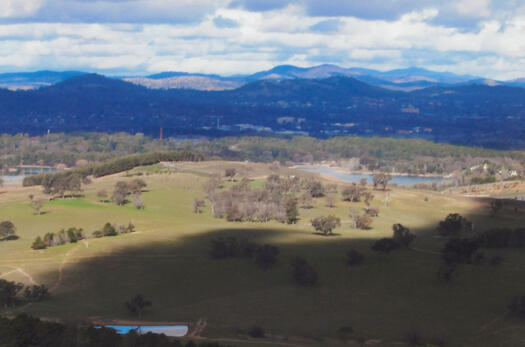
385	245
459	251
109	230
453	225
38	244
363	222
345	332
325	225
354	258
517	306
266	256
402	235
303	273
7	229
257	332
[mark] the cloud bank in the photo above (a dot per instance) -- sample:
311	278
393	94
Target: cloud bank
479	37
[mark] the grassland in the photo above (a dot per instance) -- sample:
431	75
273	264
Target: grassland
167	260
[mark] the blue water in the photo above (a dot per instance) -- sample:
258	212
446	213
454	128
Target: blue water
170	330
404	181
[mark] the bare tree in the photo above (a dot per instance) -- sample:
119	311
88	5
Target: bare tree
198	205
137	201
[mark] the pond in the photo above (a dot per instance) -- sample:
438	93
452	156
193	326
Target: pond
405	181
168	330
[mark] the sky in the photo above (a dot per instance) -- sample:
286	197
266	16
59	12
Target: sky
138	37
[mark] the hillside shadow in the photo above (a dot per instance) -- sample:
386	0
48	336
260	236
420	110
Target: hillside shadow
186	284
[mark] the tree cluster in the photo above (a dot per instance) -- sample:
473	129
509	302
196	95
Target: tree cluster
71	235
402	237
9	293
27	331
454	225
133	188
241	203
265	256
114	166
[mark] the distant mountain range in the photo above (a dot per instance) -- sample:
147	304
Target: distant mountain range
402	79
462	113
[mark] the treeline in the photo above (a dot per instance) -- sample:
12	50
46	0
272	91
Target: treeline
405	155
73	235
10	294
113	166
27	331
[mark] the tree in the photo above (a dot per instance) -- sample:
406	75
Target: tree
496	205
1	182
459	251
363	181
517	306
354	258
136	185
291	210
363	222
326	224
303	273
330	201
446	272
109	230
38	244
120	192
402	235
266	256
352	192
102	195
137	201
368	198
137	305
198	205
316	189
35	204
381	179
230	173
8	293
7	230
385	245
36	293
453	225
306	200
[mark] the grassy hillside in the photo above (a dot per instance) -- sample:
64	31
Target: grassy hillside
167	260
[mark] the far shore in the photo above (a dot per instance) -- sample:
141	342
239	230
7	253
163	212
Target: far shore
365	172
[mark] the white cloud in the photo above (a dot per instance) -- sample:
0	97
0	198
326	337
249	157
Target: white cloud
19	8
260	40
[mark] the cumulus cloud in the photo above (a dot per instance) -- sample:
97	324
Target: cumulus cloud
244	36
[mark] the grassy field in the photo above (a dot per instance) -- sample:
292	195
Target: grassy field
167	260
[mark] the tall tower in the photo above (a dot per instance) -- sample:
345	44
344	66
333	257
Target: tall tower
160	135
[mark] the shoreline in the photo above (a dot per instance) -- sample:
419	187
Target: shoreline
363	172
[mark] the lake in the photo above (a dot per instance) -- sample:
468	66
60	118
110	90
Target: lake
405	181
